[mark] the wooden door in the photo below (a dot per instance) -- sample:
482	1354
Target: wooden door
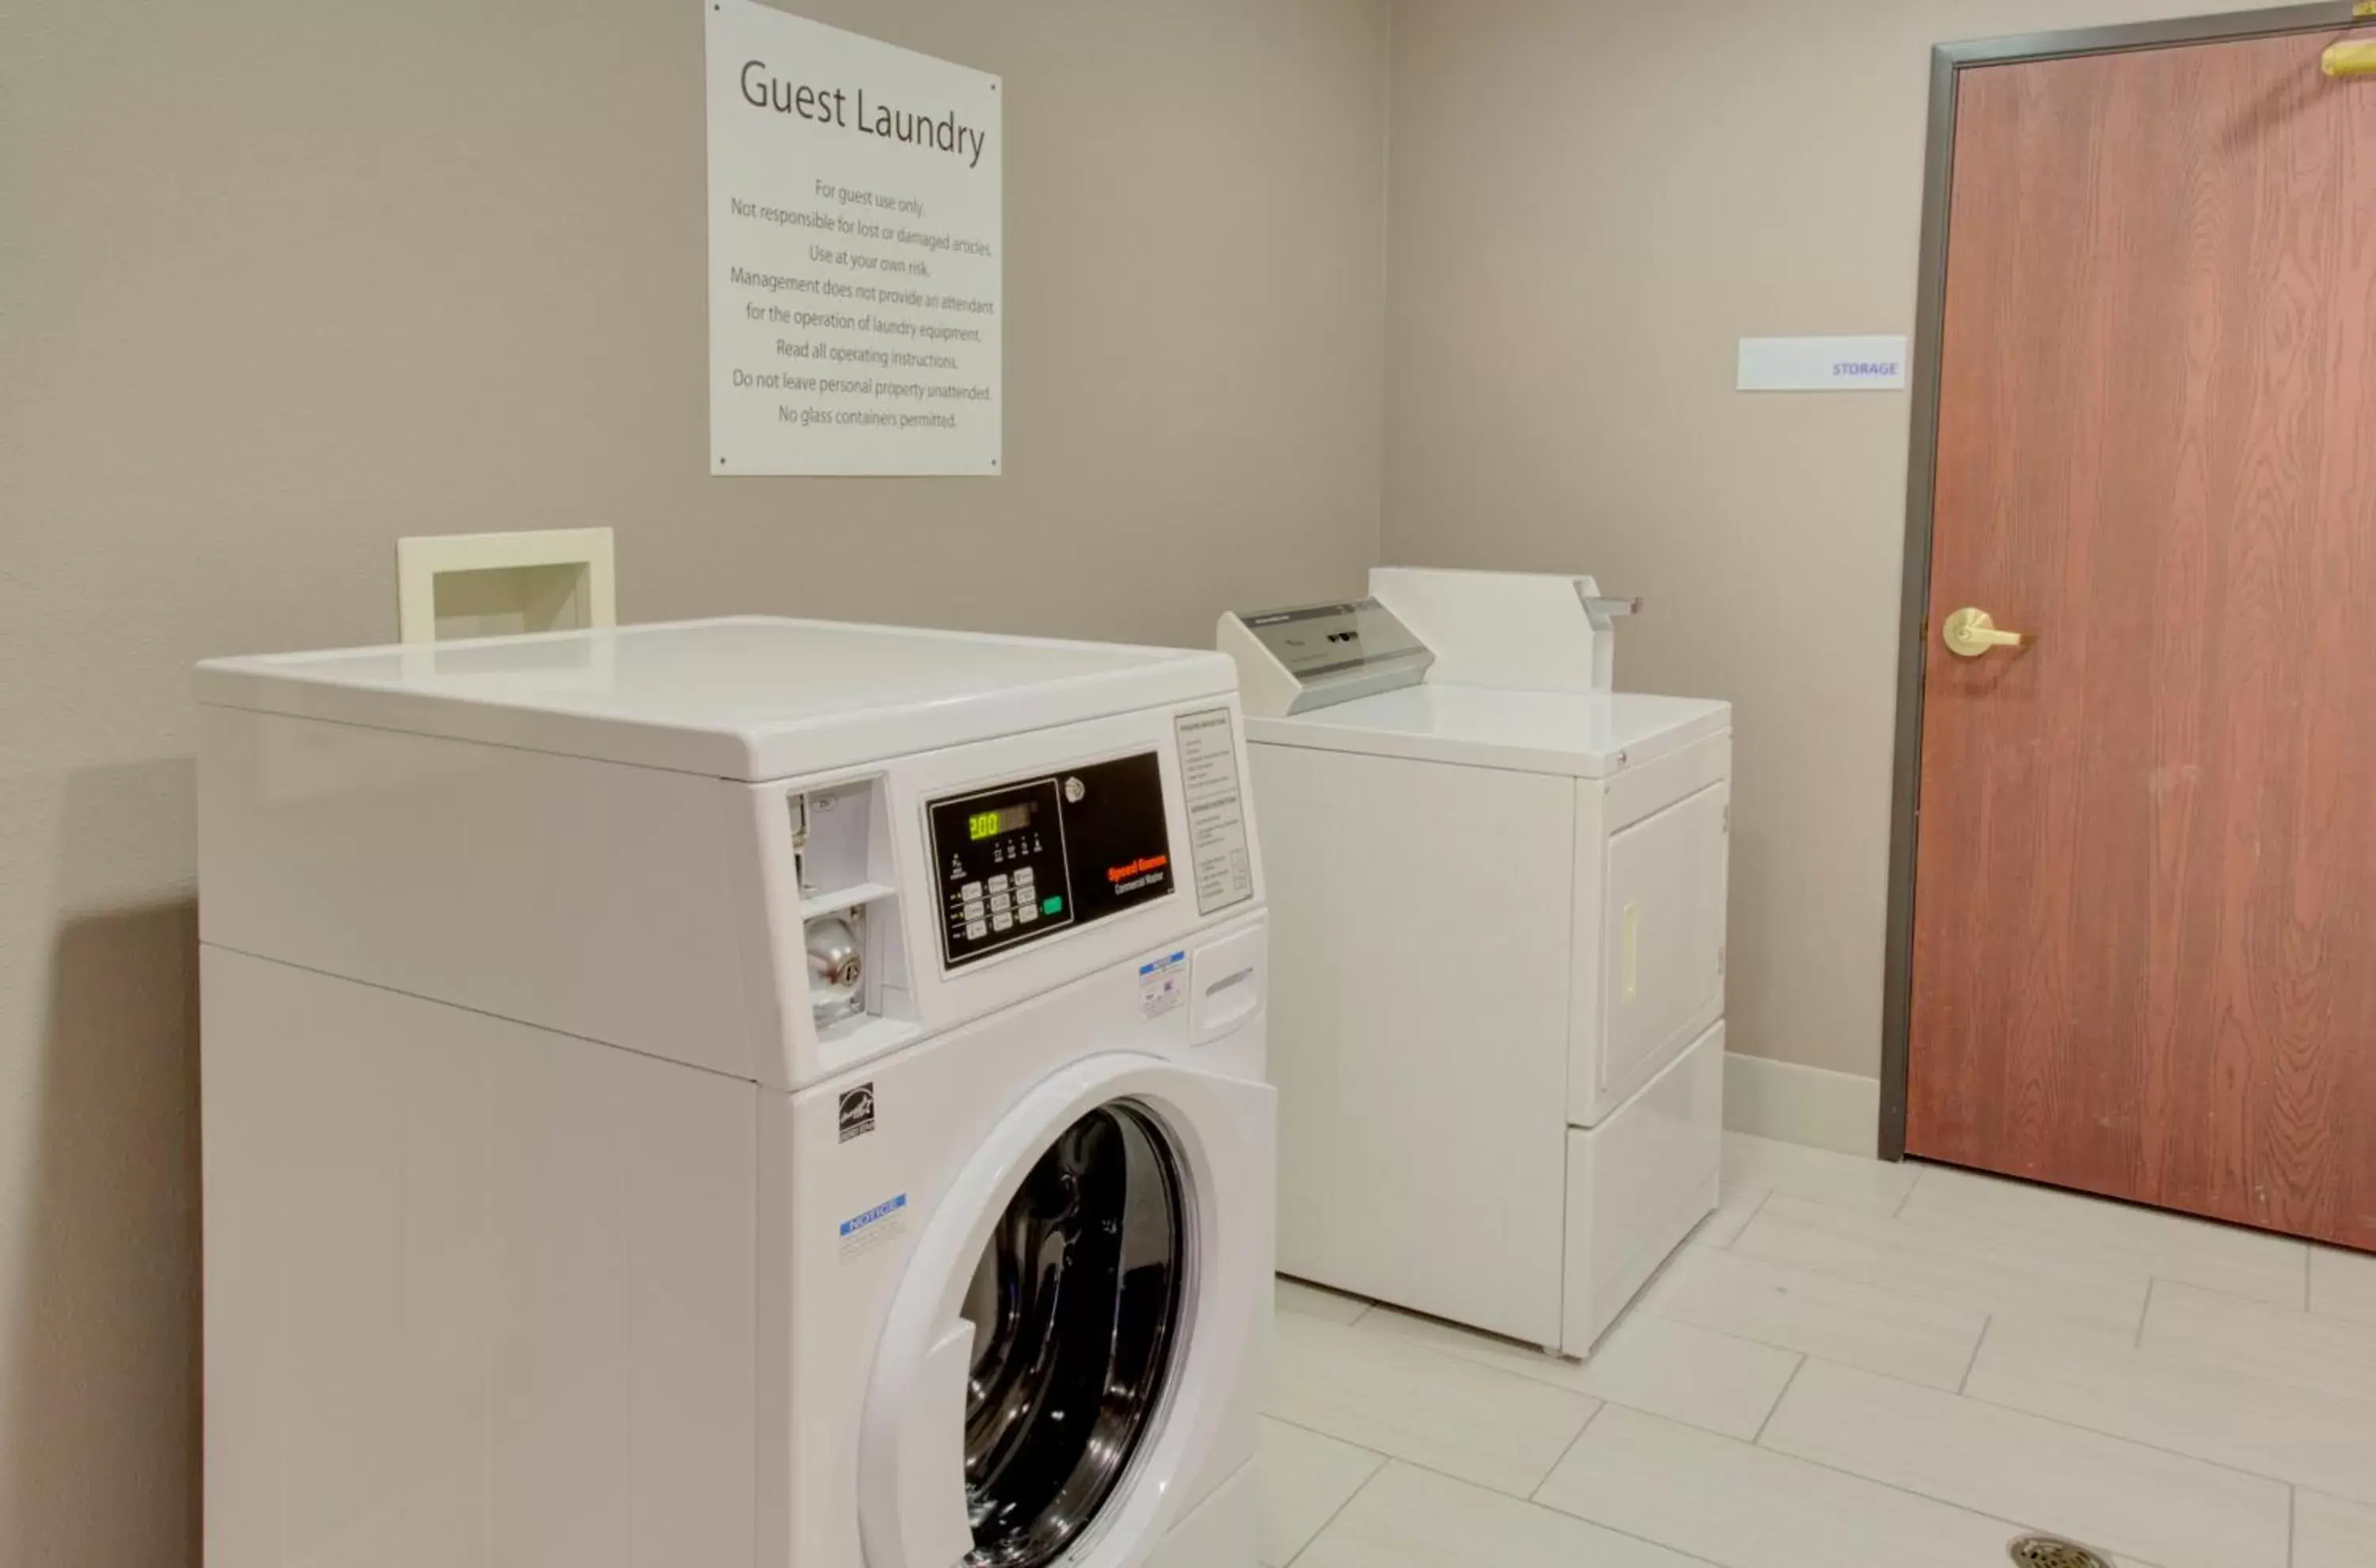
2145	943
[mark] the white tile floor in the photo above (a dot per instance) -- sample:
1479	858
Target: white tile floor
1853	1364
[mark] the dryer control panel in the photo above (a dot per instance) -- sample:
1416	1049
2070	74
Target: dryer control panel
1295	661
1021	860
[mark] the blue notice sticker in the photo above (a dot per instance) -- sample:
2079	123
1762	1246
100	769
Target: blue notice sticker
876	1215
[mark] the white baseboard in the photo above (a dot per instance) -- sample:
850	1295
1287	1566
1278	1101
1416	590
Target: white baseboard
1802	1105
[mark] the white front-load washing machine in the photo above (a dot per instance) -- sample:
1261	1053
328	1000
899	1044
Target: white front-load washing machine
739	1092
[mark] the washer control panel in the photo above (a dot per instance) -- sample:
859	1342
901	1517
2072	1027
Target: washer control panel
1021	860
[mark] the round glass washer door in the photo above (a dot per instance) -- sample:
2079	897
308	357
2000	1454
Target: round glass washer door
1076	1304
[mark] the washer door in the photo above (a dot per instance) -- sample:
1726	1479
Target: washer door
1076	1307
1071	1285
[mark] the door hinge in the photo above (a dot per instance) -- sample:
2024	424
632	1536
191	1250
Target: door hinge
1728	816
1720	960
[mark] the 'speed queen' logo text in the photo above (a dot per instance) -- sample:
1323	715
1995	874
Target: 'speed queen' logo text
1140	867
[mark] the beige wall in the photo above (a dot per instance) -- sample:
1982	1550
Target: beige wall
279	283
1590	204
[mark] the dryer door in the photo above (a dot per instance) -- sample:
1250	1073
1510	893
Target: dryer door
1077	1317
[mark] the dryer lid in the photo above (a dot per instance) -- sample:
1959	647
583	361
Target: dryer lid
1581	736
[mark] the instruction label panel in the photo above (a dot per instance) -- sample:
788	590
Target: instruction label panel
1217	810
855	273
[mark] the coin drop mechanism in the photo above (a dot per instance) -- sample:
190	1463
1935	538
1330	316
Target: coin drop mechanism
848	904
836	942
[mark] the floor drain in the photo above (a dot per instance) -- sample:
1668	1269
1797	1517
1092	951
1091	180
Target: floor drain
2053	1551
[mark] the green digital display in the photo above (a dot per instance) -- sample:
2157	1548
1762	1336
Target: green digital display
1006	819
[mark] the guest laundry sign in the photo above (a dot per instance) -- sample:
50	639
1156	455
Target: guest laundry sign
855	278
1822	365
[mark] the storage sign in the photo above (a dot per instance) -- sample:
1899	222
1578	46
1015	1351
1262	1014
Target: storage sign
1822	365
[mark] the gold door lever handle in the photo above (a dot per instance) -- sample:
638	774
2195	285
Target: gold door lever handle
1970	632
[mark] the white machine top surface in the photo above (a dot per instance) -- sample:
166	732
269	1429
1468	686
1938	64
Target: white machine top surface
747	698
1589	735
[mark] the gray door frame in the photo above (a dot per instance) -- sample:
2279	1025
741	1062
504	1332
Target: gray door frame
1948	62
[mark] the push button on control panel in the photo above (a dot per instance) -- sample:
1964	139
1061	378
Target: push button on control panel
966	910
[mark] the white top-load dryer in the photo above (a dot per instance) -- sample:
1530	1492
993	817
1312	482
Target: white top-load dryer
1498	910
744	1092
